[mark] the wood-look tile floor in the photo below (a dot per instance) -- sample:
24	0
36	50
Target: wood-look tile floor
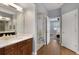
65	51
53	48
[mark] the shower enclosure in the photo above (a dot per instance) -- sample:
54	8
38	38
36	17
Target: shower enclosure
41	30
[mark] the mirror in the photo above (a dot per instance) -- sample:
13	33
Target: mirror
16	21
7	24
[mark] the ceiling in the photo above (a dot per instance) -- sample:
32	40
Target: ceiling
47	6
25	5
51	6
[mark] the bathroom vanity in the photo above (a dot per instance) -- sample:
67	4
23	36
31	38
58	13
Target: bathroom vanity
21	45
10	42
17	30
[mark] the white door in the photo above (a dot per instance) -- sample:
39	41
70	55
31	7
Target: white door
70	30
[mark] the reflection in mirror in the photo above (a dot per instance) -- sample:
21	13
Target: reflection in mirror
7	25
16	20
11	21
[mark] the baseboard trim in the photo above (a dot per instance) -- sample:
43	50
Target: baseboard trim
77	52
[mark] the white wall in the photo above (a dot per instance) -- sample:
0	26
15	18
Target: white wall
29	19
70	30
25	21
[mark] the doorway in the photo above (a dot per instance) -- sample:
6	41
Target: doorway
55	29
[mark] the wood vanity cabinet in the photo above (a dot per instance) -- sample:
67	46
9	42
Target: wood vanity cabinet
25	47
21	48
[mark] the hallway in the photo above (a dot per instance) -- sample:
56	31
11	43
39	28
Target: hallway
53	48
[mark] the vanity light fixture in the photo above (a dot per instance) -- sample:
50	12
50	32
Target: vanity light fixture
7	19
4	18
14	5
1	17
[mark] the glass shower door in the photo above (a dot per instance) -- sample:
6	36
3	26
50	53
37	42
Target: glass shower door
41	31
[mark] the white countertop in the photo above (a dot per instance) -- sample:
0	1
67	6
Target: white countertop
16	39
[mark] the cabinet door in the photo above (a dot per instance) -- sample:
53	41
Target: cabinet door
70	30
21	48
29	47
25	47
11	50
2	51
